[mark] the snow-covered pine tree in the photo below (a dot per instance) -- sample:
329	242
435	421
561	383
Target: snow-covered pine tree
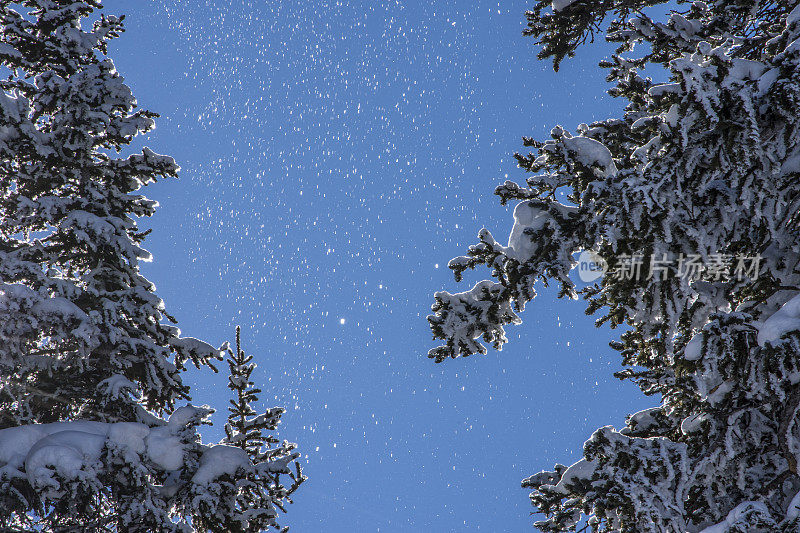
702	169
88	364
247	429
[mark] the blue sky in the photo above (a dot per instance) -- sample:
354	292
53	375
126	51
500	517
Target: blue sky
335	156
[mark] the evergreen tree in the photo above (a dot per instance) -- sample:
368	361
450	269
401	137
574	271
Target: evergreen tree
696	186
246	430
89	364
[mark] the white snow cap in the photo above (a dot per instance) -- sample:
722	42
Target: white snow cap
220	460
794	506
530	218
693	423
591	153
793	16
738	517
582	469
201	348
643	420
786	319
694	348
74	450
526	217
40	451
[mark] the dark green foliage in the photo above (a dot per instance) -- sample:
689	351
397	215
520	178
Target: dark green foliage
91	437
247	429
703	165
